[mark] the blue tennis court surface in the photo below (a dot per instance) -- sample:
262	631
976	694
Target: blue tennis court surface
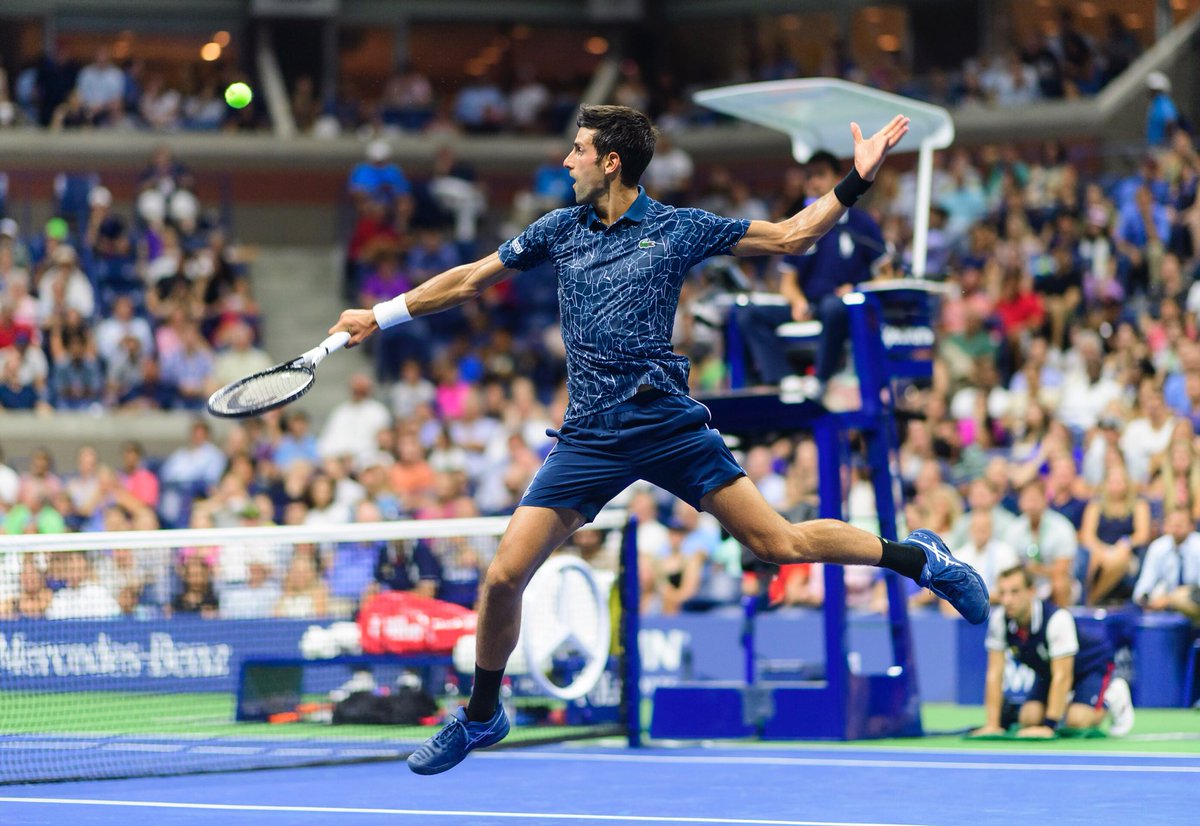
725	785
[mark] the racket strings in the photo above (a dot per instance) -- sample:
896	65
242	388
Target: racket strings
264	391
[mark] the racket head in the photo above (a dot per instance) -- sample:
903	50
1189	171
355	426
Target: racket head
263	391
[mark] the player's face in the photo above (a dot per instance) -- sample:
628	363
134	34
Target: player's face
585	168
1016	597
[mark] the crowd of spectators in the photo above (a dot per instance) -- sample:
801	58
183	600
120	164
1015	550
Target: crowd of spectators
60	92
1059	62
146	307
1063	62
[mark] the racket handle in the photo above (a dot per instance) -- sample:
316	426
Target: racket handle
335	342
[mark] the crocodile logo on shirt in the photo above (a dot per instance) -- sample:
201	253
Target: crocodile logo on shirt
645	244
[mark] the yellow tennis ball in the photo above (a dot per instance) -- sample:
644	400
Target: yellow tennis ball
238	95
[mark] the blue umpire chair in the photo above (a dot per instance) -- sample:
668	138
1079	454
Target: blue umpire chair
891	338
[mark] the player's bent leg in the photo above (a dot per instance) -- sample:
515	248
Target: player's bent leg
742	510
923	557
532	535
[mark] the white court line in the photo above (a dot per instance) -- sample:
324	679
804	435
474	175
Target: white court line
162	748
841	762
236	807
850	748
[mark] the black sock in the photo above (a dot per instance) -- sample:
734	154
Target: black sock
906	560
485	695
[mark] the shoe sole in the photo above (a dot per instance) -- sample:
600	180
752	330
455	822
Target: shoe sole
426	771
430	770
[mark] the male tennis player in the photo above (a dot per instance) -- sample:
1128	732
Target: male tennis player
620	258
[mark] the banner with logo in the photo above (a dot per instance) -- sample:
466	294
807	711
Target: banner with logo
179	654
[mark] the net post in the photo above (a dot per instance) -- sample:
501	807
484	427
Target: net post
631	663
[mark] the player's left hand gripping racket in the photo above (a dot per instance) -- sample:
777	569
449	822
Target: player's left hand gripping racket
280	385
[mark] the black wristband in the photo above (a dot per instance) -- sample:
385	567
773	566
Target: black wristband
1050	723
851	188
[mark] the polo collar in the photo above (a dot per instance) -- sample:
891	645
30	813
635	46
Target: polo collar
636	212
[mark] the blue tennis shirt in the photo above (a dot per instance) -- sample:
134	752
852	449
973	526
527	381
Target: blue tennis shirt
618	288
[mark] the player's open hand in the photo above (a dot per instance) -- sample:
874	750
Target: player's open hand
360	324
1036	733
870	152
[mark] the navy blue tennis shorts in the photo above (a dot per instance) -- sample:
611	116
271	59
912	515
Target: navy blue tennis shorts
660	437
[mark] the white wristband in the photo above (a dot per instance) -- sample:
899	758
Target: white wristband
391	313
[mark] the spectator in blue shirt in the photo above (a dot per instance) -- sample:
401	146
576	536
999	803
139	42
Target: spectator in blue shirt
77	381
349	567
1170	575
189	369
297	443
408	566
381	180
199	463
481	106
1143	230
553	185
14	395
1162	114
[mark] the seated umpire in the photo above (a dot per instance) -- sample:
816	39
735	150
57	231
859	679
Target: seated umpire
813	284
1073	665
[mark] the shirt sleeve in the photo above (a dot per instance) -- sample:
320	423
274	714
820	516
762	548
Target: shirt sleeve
702	234
871	243
1061	638
996	637
531	247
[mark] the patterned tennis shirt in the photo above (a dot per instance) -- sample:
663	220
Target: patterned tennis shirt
618	288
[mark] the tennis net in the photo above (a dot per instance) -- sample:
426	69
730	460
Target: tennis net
133	653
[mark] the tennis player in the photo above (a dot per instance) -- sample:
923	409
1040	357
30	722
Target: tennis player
620	258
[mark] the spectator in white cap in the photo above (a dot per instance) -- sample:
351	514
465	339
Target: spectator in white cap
63	287
1162	115
10	254
379	179
10	240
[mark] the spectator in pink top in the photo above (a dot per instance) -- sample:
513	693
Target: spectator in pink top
139	480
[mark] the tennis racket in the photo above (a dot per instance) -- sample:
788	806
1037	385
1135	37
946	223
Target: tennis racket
280	385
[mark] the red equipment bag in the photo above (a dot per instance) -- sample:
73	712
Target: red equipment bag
398	622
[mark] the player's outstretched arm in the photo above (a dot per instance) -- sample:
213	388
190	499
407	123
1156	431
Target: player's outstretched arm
449	289
796	234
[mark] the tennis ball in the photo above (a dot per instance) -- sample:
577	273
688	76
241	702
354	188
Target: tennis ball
238	95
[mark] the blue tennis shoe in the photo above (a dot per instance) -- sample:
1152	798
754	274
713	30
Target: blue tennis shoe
458	738
951	579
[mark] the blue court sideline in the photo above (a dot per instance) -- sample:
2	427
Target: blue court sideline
573	785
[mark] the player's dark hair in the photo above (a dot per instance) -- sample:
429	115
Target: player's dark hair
1018	569
625	131
827	160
